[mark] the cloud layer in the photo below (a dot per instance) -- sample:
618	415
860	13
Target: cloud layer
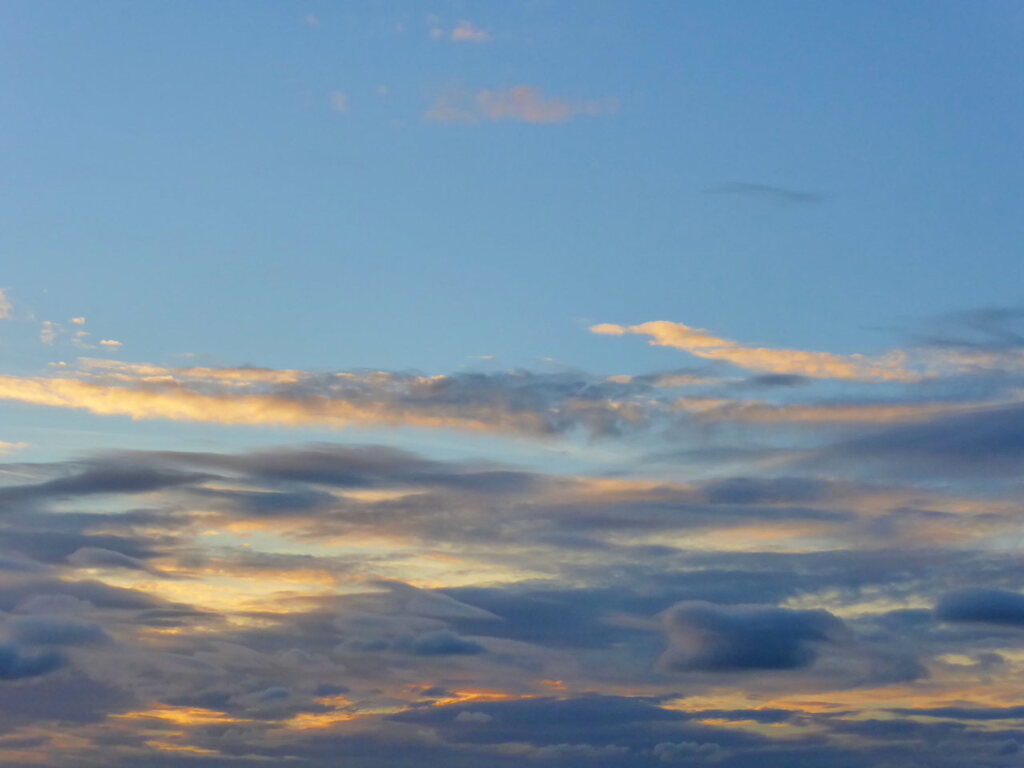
769	568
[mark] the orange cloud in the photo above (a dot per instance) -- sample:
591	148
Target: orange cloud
818	365
508	403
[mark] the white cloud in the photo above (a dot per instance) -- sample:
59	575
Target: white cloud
5	306
48	331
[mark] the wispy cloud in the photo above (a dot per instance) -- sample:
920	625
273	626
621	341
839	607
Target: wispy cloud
520	103
766	192
6	308
513	402
48	331
338	101
818	365
463	32
468	32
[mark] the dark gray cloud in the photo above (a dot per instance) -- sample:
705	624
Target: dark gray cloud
709	638
101	478
981	443
992	606
440	643
17	663
55	630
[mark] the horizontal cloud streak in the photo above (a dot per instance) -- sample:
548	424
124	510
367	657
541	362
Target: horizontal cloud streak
818	365
509	402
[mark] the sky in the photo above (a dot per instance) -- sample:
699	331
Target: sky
554	383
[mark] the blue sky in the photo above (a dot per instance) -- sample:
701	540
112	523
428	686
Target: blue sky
179	173
555	382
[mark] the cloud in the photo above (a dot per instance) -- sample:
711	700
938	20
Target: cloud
339	101
686	751
468	32
49	331
440	643
514	401
276	619
6	307
991	606
98	557
977	441
78	320
16	664
766	192
520	103
708	638
723	409
818	365
99	479
473	717
55	631
463	32
110	343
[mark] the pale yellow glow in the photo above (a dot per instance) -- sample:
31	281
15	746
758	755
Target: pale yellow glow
187	716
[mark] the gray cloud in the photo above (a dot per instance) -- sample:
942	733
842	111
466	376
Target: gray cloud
16	663
992	606
708	638
766	192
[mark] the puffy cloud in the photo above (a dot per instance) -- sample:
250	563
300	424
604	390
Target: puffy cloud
708	638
